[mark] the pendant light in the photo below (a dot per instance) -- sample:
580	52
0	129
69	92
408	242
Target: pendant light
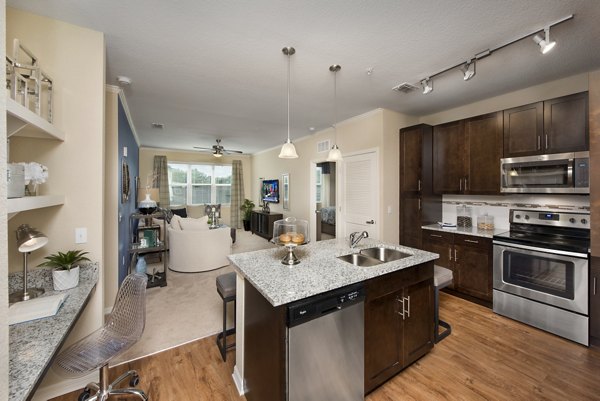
288	150
334	154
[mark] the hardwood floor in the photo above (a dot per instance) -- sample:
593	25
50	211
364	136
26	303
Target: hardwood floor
487	357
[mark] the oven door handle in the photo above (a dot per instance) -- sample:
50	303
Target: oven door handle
542	250
570	173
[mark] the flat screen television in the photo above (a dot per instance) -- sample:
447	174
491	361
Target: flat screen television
270	191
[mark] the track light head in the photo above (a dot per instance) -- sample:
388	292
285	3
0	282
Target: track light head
544	42
468	70
427	85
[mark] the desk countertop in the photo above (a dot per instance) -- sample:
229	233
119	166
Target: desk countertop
34	344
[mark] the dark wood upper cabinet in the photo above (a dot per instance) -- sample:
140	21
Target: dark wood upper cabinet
484	151
523	130
566	124
411	158
554	126
449	157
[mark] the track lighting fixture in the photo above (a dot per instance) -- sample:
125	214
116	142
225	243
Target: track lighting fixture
468	70
427	85
544	42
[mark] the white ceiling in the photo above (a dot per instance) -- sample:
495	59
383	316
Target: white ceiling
214	69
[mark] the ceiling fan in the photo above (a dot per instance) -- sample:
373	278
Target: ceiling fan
218	150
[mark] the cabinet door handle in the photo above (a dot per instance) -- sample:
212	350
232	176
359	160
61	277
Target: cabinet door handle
466	184
435	235
406	301
472	241
419	203
460	184
419	184
539	142
396	306
450	253
455	255
546	141
594	286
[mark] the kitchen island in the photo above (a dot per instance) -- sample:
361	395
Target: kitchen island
398	309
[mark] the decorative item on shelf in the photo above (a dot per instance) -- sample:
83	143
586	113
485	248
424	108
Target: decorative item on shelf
266	208
27	83
34	175
65	273
213	212
28	240
15	180
247	208
148	205
290	232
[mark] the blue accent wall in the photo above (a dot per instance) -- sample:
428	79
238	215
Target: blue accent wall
126	139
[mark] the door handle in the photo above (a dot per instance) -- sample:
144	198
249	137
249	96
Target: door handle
435	235
455	255
450	253
466	186
594	286
370	222
539	142
396	306
546	141
419	184
460	184
419	203
472	241
406	301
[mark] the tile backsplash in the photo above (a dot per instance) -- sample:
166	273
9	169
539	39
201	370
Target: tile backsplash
499	206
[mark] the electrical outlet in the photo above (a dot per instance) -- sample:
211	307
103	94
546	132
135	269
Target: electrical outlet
124	151
81	235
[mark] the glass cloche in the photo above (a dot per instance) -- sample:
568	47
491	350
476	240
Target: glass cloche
290	232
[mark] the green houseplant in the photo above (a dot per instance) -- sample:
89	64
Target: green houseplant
65	268
247	208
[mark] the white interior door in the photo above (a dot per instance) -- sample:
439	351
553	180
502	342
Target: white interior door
360	194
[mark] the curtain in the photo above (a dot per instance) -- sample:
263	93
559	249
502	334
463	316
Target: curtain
237	193
161	180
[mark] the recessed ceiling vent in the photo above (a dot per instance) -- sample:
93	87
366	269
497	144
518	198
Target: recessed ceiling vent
323	146
158	125
405	87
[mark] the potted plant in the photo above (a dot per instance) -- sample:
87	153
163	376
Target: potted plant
65	273
247	208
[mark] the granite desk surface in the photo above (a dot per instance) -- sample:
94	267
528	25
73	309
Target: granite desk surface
319	269
33	344
466	231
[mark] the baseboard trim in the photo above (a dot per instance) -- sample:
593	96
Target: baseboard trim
239	381
65	386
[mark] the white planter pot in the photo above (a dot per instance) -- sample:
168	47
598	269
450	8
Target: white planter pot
65	279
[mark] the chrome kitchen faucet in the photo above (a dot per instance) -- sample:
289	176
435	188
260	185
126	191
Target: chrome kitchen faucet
354	240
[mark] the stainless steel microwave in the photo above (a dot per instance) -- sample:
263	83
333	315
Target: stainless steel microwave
561	173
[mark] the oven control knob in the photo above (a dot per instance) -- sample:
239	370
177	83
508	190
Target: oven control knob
584	221
572	220
526	217
517	216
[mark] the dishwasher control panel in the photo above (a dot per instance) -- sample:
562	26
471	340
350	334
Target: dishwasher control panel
319	305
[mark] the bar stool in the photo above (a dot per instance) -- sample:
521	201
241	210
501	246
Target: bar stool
442	277
226	288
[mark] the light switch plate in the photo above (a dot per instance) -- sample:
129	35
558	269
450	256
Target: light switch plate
81	235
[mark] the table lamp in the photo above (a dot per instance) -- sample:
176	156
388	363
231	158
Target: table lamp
28	240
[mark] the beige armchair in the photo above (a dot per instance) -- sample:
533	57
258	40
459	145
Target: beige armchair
192	251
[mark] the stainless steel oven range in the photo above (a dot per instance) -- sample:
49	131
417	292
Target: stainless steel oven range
541	269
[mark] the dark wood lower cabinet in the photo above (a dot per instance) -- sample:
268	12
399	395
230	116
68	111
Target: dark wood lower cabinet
398	322
595	298
469	257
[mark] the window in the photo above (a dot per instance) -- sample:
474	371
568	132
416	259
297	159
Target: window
319	184
198	184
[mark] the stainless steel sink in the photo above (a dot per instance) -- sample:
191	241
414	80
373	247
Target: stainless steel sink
384	254
360	260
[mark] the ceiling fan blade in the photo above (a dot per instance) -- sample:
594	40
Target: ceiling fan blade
232	151
202	148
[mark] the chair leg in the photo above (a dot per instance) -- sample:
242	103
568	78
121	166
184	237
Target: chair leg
124	376
126	391
437	322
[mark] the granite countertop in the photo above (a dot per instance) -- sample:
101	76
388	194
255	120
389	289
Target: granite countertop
33	344
319	270
466	231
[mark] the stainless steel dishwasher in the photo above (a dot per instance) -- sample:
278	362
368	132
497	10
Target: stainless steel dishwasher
325	354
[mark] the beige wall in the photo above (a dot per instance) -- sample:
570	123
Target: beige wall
3	232
111	195
147	163
548	90
377	129
75	58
